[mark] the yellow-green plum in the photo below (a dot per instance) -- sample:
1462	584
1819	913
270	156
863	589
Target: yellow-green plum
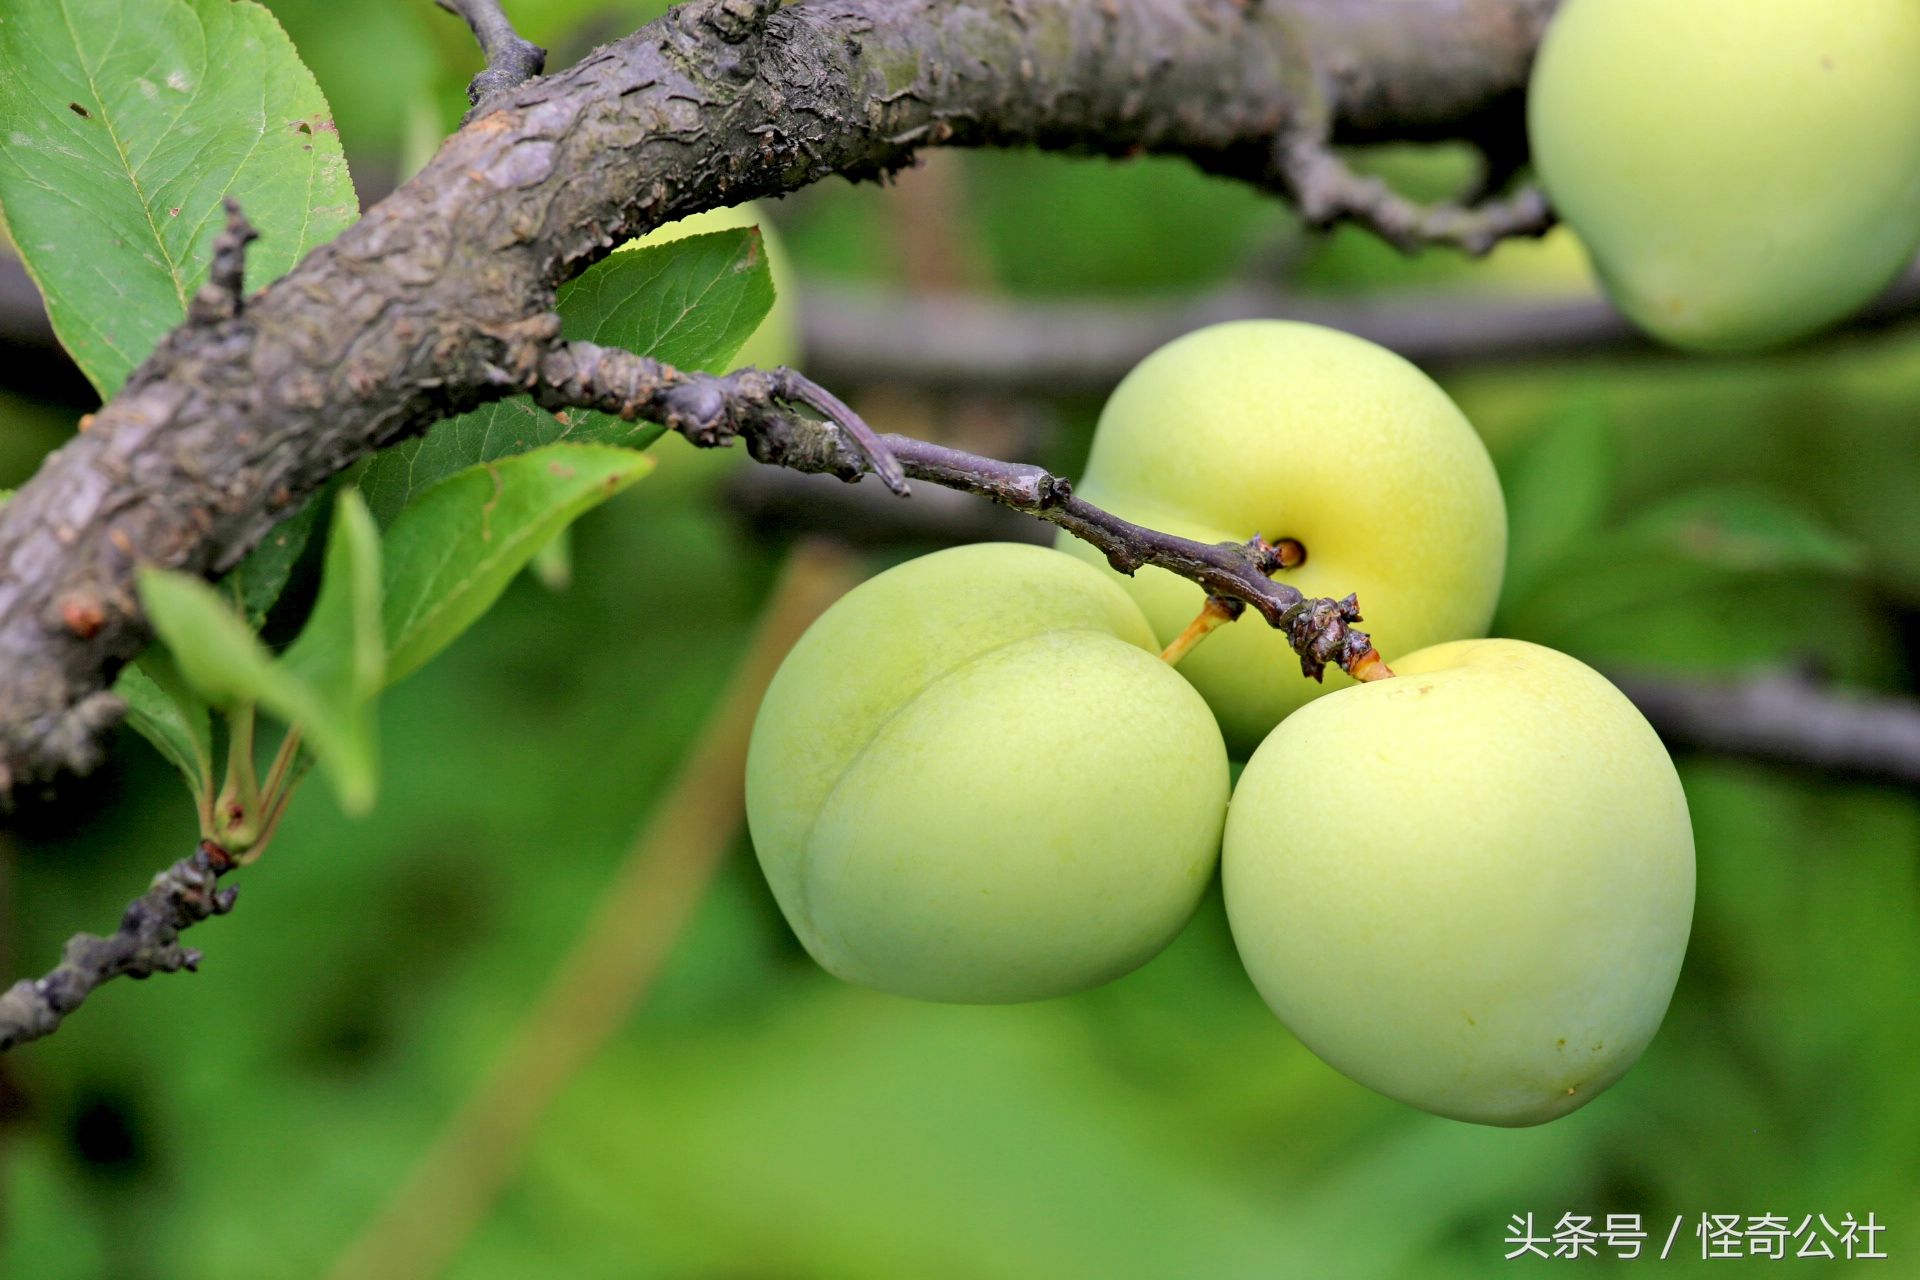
1469	886
1743	172
973	780
688	468
1297	431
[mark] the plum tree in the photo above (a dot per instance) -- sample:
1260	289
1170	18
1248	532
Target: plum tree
1469	887
1297	431
1743	172
973	780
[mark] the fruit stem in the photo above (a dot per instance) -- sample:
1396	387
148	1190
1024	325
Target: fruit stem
1370	666
1282	553
1217	612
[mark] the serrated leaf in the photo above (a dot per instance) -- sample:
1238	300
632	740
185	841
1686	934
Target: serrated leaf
259	579
126	124
327	679
164	710
1557	490
689	302
452	552
1744	531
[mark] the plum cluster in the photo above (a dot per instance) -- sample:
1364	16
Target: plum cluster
1468	886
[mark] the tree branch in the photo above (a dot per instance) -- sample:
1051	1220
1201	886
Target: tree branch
1785	718
756	405
147	942
1327	190
511	60
413	313
1087	345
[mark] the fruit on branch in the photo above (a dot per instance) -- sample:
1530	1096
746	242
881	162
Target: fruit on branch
1743	172
1468	887
972	780
1296	431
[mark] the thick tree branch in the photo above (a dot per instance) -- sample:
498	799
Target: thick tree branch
511	60
147	942
1055	346
412	313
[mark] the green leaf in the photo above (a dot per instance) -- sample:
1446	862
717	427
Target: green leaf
402	473
341	655
692	302
126	125
327	680
216	651
1557	490
1744	531
451	554
164	710
689	302
259	579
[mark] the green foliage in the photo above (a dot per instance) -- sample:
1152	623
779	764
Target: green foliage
127	124
690	303
1557	490
326	681
262	576
1742	530
453	551
1694	576
164	710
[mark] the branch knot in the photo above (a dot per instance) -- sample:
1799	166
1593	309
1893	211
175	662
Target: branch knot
221	297
1322	632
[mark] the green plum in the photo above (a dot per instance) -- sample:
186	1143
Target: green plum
1468	887
1743	172
972	780
1297	431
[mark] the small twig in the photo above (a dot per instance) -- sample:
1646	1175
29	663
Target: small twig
1218	611
797	389
1327	190
222	296
511	60
752	404
147	942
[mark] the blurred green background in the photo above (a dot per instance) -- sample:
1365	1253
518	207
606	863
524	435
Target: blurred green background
752	1117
